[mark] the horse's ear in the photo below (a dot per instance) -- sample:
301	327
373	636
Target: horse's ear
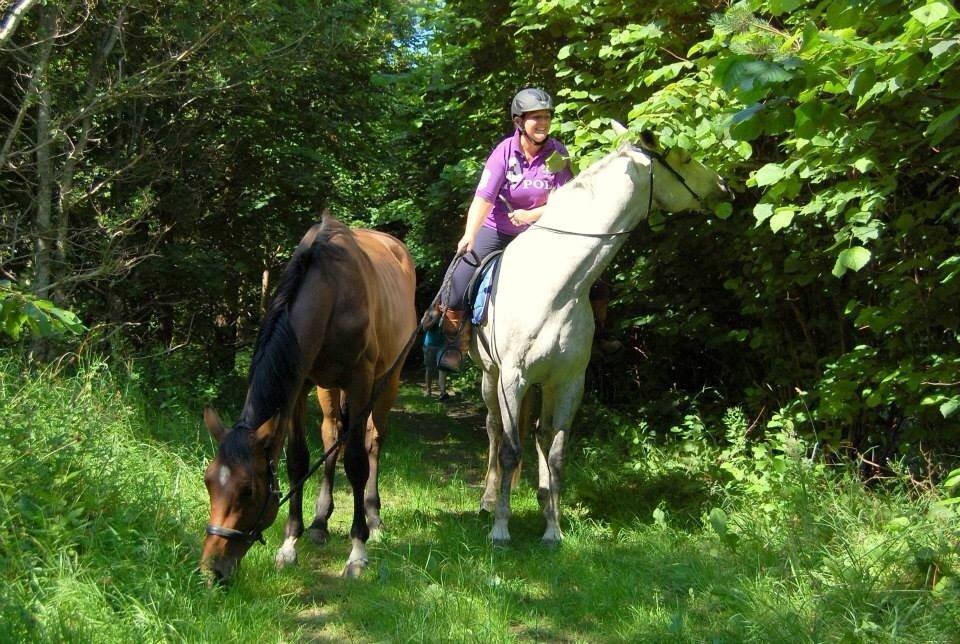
618	127
212	420
649	140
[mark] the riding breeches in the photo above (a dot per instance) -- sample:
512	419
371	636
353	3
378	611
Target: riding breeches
486	241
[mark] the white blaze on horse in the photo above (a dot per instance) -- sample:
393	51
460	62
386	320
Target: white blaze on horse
539	327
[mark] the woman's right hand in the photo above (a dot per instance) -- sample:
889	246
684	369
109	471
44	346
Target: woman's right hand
465	244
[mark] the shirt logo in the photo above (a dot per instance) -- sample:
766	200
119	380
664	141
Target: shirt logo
514	172
539	184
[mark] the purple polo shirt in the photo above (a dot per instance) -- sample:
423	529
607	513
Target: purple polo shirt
508	176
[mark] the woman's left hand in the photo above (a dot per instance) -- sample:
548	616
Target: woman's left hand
520	217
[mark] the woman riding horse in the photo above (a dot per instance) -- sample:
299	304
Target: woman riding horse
511	195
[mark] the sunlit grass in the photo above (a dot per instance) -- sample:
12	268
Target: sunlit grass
103	509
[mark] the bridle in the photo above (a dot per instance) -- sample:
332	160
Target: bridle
652	155
255	533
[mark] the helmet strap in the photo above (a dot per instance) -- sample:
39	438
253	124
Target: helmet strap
524	134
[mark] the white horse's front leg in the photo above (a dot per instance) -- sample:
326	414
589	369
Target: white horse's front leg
511	390
560	406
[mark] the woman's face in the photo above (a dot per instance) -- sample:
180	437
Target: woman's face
536	125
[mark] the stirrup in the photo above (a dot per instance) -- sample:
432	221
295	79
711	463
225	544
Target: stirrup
447	362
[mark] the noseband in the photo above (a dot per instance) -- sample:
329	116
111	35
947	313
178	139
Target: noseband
254	534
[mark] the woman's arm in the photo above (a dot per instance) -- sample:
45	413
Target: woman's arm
479	209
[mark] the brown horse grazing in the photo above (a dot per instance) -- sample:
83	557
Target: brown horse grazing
340	318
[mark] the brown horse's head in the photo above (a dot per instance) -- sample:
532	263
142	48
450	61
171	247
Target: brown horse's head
244	495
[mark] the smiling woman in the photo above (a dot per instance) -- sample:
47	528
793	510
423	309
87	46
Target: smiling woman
518	177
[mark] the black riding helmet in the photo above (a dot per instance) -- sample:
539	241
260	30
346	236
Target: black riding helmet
530	99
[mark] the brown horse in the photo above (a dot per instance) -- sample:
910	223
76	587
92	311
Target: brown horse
340	318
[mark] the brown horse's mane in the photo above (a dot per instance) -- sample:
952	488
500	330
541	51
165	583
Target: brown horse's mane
275	375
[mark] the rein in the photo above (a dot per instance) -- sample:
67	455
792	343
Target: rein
256	534
650	154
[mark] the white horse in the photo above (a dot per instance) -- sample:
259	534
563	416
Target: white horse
539	327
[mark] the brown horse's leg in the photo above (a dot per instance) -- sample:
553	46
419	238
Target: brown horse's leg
298	462
376	434
330	428
357	466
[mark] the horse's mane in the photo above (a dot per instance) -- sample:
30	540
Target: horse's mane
275	370
585	178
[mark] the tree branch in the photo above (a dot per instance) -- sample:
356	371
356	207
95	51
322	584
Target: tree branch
9	24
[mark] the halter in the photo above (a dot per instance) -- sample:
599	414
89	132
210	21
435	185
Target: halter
254	534
650	154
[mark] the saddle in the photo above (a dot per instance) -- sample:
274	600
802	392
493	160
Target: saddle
480	286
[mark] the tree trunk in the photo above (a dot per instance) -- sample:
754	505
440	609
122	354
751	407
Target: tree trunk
44	200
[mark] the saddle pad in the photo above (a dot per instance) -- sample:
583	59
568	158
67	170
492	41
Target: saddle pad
484	281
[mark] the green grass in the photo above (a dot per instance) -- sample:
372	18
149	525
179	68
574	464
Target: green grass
102	509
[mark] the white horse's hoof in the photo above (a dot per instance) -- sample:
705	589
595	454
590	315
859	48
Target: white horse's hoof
550	544
286	557
500	537
354	569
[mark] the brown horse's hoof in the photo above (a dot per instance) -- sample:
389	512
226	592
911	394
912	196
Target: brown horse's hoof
354	569
319	536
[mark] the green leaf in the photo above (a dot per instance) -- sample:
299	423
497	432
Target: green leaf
941	126
718	519
853	258
781	219
38	320
745	73
862	80
564	52
943	47
863	164
778	7
723	210
762	212
556	162
952	480
950	407
769	174
934	13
